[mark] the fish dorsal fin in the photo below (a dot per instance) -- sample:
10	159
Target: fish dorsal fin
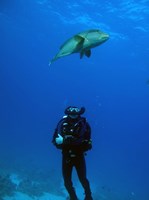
93	30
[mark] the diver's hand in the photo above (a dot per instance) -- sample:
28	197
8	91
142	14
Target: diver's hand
59	139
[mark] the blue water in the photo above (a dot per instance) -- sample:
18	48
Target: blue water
111	84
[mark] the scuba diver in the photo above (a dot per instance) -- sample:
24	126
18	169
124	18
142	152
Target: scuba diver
73	136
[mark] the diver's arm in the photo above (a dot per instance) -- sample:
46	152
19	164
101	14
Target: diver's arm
57	139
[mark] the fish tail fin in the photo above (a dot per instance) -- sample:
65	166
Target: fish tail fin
50	64
51	61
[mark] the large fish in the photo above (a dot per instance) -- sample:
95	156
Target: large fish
82	43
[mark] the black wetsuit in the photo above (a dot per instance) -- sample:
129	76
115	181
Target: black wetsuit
76	134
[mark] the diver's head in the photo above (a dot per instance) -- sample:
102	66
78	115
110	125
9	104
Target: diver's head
74	112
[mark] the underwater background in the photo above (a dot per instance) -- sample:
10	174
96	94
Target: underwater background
113	85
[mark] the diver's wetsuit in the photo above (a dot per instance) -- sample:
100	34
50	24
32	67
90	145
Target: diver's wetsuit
76	134
79	163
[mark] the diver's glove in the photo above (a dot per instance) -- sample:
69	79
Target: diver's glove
59	139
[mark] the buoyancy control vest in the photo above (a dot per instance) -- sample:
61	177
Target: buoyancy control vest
75	133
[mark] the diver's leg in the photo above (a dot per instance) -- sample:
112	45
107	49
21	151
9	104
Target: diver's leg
67	167
80	165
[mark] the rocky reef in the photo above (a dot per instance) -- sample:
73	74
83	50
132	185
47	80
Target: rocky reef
31	183
7	188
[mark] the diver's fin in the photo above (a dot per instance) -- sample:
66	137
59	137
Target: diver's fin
88	53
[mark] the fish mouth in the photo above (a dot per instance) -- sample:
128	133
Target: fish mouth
105	36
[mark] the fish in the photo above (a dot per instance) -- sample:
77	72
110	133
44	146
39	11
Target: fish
82	43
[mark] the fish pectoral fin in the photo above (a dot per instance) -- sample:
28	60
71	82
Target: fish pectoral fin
79	38
88	53
80	41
